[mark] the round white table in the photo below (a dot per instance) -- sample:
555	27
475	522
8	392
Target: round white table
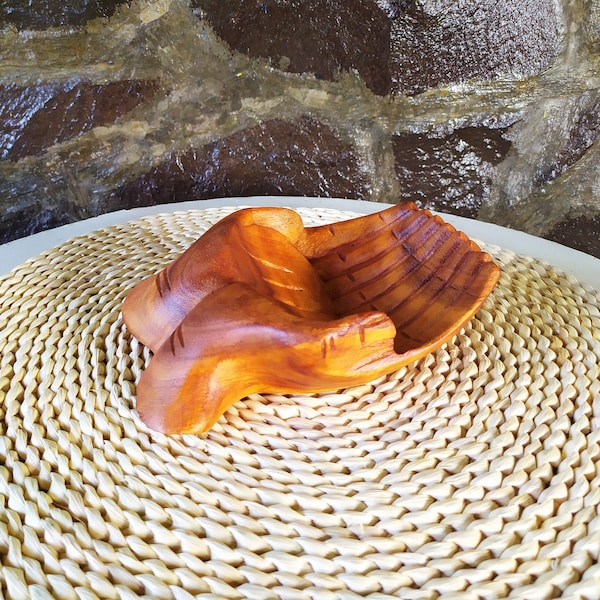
582	266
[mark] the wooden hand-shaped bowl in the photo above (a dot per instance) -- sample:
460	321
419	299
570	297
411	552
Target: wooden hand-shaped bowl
260	303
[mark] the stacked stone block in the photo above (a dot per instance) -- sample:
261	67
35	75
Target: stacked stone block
486	109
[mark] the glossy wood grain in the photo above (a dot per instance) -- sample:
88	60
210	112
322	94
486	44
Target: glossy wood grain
260	303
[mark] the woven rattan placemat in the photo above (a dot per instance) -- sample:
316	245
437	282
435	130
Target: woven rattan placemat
472	473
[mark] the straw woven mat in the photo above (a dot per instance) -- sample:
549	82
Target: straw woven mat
472	473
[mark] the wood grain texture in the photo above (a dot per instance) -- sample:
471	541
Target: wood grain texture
260	303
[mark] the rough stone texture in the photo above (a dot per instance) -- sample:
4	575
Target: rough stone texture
43	14
273	158
452	172
465	40
39	116
410	46
322	37
563	181
481	108
582	124
581	233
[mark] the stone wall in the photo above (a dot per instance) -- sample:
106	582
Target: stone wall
481	108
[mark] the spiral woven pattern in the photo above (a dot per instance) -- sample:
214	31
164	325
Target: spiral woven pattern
472	473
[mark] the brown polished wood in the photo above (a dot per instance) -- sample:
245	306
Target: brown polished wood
261	304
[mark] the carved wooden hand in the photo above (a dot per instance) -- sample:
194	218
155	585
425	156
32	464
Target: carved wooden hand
260	303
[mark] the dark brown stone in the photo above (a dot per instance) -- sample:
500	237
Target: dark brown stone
437	42
42	14
37	117
274	158
322	37
31	218
581	233
43	199
450	173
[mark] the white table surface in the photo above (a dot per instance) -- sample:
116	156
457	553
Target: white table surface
584	267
